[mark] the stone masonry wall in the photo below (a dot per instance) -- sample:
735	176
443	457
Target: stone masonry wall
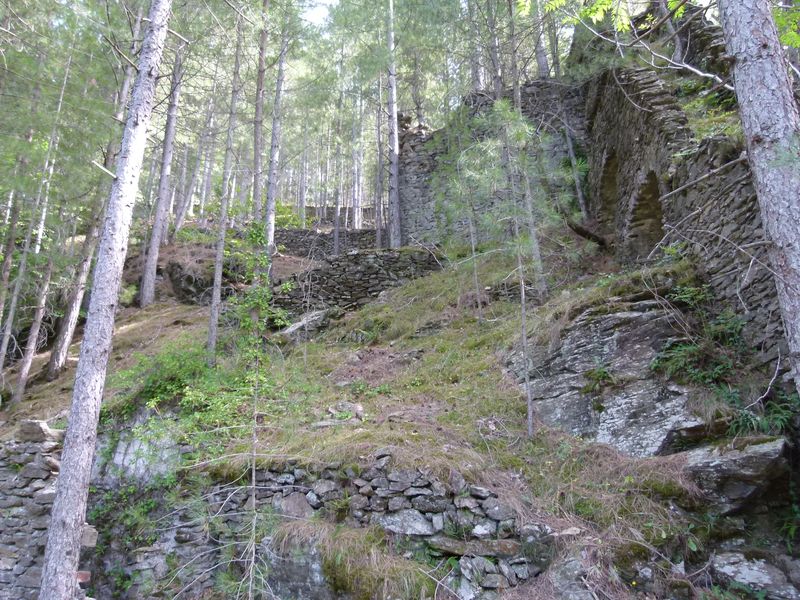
28	471
352	280
641	153
318	244
551	106
195	539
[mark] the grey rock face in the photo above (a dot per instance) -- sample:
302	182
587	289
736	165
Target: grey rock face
731	477
632	411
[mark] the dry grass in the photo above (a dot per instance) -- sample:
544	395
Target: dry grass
357	561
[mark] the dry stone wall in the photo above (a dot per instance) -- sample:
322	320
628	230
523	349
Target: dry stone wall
353	279
553	107
198	538
28	471
651	181
319	244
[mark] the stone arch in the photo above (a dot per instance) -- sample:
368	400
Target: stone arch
645	226
609	193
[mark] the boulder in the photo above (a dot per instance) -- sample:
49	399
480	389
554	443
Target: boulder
731	476
756	574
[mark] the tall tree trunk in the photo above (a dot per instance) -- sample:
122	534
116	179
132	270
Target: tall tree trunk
59	579
258	120
395	231
66	331
227	193
476	73
494	49
541	51
22	272
552	33
275	143
147	293
771	125
512	35
379	167
52	147
8	253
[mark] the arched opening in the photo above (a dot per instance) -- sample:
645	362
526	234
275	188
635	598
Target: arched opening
645	228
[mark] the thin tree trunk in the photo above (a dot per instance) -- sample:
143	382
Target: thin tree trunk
576	175
209	170
258	120
523	309
8	253
33	334
552	32
771	126
59	579
227	193
147	293
395	231
475	71
22	272
275	143
66	331
301	198
514	62
52	147
494	49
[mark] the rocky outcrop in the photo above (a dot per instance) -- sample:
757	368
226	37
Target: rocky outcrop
352	280
598	382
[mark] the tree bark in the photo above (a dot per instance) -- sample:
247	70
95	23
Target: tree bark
8	252
147	293
227	194
275	142
771	127
395	230
258	120
59	579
